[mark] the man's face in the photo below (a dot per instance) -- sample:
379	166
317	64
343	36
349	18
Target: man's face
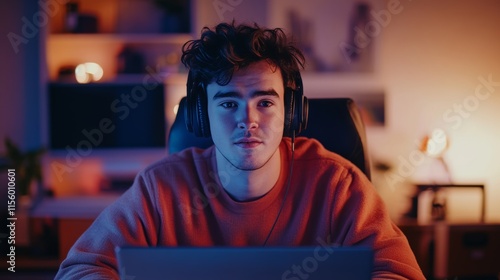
247	115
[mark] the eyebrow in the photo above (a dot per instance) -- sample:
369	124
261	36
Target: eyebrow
257	93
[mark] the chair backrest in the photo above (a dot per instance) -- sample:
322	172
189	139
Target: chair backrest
335	122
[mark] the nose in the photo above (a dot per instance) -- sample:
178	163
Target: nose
247	118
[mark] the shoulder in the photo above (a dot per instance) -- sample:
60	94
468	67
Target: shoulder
310	149
172	175
311	155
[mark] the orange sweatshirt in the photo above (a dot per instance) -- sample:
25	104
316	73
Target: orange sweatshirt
180	201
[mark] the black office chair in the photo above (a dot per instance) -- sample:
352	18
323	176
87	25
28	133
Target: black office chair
180	138
335	122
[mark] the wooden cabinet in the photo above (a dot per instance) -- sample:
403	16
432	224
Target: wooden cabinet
455	251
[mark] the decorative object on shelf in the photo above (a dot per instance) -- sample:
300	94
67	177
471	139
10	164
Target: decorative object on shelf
438	210
76	22
176	15
302	30
130	61
71	18
66	73
88	72
359	20
357	51
169	63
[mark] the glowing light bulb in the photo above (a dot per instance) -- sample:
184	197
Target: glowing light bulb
435	144
88	72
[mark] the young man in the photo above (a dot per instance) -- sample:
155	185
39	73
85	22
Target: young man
254	187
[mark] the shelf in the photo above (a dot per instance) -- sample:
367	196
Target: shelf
316	85
64	38
79	207
157	50
337	84
122	79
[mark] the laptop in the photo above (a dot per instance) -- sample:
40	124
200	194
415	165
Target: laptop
242	263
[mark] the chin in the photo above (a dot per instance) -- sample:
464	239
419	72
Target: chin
249	167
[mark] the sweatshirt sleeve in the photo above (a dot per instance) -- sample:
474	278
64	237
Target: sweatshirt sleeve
131	220
360	218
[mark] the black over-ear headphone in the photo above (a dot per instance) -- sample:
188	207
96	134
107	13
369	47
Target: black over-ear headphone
196	115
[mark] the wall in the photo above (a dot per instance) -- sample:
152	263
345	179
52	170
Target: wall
20	92
434	58
210	13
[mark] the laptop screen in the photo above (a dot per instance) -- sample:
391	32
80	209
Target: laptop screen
241	263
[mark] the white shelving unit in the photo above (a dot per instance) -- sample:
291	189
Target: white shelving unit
132	23
125	23
66	50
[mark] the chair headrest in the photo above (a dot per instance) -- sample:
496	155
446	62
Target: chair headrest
337	124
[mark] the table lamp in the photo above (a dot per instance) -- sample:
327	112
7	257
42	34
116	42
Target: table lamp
434	145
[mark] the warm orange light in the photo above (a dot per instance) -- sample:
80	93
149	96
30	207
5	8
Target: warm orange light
435	144
88	72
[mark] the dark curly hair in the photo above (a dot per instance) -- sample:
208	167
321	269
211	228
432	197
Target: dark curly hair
229	47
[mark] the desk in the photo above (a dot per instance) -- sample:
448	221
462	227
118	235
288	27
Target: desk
73	214
445	250
436	187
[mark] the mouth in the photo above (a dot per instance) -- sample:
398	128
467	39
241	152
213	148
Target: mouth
247	143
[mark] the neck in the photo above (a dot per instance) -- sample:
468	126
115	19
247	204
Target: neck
246	185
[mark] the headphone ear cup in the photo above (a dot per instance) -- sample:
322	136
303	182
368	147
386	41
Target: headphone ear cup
188	112
296	112
202	115
298	103
188	108
289	112
305	114
301	113
195	113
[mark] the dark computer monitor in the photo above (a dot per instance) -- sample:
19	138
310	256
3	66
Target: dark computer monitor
106	116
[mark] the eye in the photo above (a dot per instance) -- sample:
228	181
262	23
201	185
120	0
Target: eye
266	103
228	105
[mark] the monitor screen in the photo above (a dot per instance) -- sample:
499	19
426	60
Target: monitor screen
106	116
